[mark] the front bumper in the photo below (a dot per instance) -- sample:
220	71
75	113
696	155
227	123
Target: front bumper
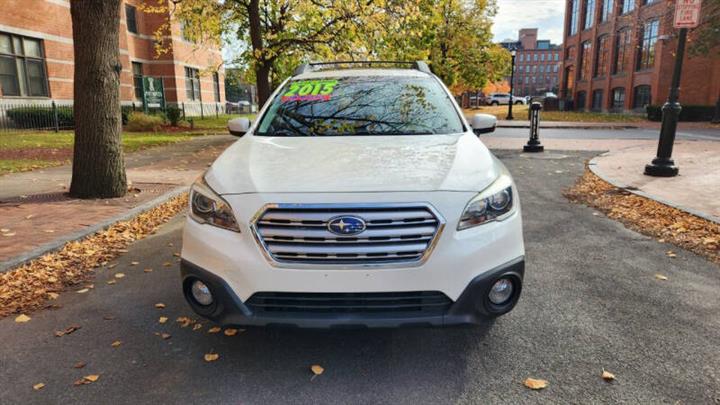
471	307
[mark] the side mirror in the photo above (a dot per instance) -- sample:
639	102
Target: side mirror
483	123
239	126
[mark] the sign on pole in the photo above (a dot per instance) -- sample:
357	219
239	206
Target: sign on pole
687	13
153	94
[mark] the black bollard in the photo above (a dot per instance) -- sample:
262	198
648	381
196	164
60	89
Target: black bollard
533	144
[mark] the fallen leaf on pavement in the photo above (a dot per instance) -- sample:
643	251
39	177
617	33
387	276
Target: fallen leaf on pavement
119	275
159	305
535	384
163	319
70	329
167	264
316	370
134	263
22	318
608	376
108	317
79	364
29	216
83	291
116	343
49	231
197	326
53	296
148	270
214	329
38	386
4	230
670	253
9	234
111	266
88	379
184	321
661	277
211	357
111	282
230	332
164	336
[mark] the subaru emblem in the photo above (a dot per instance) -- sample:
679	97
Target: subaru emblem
346	225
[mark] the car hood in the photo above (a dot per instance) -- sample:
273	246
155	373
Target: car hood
256	164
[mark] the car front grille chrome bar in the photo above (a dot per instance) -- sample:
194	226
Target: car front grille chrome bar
297	235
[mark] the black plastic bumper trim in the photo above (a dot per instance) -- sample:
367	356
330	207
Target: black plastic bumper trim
471	307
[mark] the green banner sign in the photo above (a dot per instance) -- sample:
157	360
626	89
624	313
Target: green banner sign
153	93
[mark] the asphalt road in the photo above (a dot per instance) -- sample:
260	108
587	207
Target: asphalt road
590	301
639	133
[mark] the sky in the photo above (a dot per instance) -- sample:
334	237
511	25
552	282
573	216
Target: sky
546	15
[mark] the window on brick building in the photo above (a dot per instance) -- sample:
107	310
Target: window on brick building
570	53
584	72
192	84
22	67
646	50
542	57
131	18
618	100
216	86
535	57
622	50
627	6
557	56
606	10
137	69
574	15
589	14
597	99
521	57
641	98
602	57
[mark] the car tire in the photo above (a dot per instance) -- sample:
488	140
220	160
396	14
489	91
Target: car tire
495	103
519	102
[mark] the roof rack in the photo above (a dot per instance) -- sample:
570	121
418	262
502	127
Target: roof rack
315	66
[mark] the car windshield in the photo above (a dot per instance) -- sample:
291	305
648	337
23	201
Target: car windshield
377	105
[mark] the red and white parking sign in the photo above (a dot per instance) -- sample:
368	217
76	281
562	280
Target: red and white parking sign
687	13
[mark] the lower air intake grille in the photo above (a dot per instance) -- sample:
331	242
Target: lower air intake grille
411	303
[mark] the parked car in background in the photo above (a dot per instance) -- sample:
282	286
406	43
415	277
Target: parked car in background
503	98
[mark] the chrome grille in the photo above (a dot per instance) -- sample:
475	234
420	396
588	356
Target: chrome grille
394	233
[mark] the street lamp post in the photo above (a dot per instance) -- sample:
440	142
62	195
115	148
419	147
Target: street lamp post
512	83
663	165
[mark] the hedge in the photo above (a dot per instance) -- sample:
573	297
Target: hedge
41	117
688	112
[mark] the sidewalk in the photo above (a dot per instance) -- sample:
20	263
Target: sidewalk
694	190
37	214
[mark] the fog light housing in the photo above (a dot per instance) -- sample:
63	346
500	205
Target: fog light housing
201	293
501	292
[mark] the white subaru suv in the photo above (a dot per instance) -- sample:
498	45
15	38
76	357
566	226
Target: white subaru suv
360	197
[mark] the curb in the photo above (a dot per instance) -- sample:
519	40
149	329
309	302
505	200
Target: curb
60	242
592	165
550	126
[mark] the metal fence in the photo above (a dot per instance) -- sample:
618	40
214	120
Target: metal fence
52	116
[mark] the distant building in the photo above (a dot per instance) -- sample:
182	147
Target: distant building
36	57
537	63
619	55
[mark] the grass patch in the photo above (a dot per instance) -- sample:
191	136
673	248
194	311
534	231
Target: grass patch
520	112
20	151
23	165
211	122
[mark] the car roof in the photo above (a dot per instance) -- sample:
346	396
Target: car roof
319	74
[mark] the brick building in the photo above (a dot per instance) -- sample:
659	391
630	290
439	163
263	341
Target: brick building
537	63
36	57
619	54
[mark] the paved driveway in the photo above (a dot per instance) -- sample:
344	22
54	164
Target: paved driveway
591	301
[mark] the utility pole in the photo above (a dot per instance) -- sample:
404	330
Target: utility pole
513	52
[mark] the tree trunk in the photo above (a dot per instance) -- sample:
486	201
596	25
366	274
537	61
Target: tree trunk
98	166
262	67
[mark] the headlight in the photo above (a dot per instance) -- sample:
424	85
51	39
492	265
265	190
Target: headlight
495	203
207	207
